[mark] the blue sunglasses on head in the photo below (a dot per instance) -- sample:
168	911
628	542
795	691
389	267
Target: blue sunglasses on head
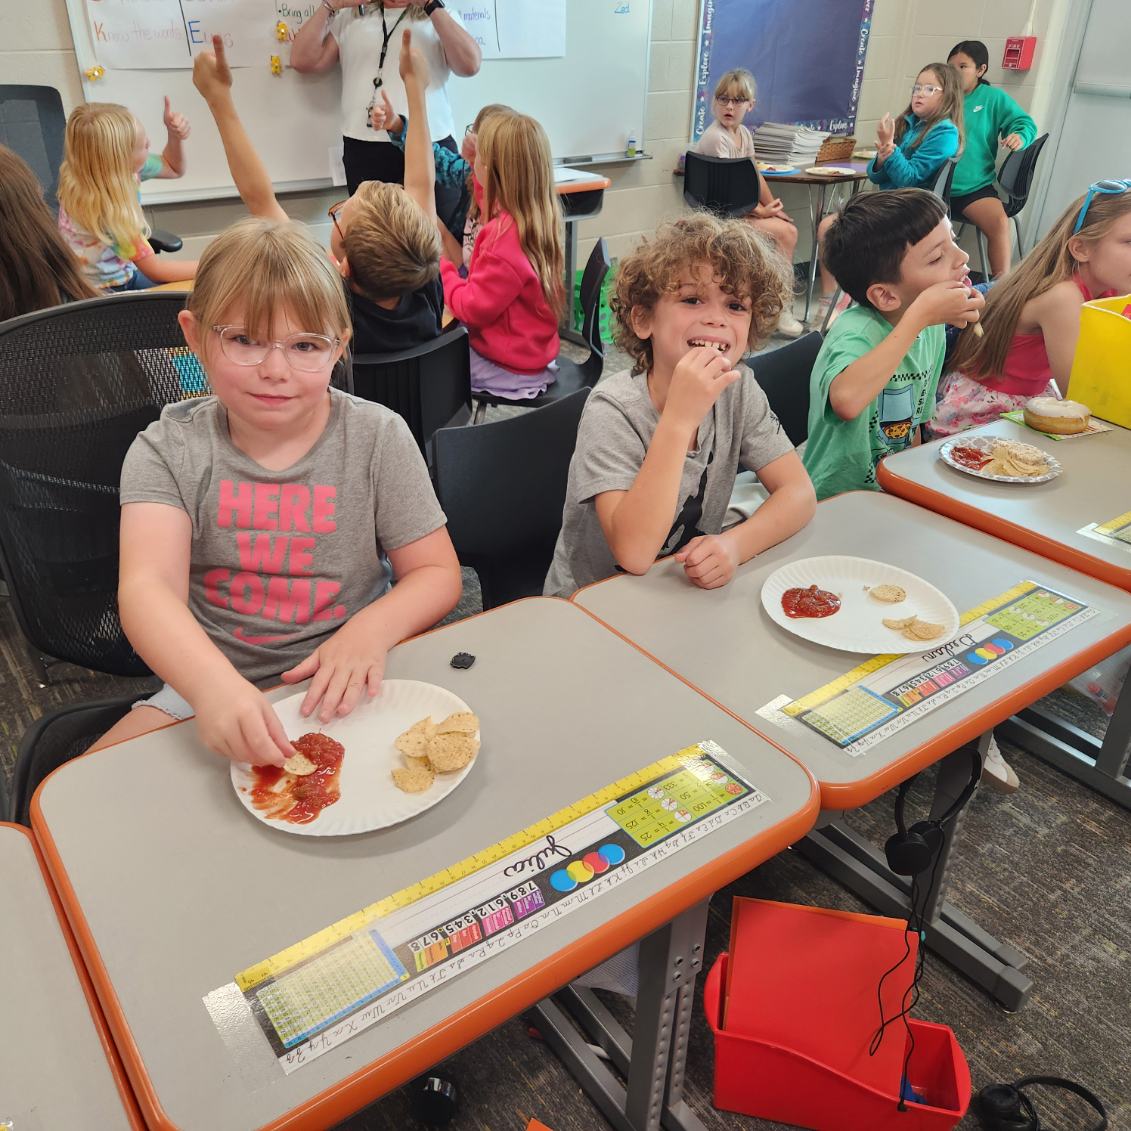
1102	188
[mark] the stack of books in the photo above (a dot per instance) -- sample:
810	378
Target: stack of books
782	144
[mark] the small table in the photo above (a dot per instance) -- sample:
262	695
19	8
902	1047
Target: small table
855	178
58	1068
722	642
1047	518
173	887
582	196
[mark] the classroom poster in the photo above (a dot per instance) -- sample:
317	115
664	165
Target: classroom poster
807	57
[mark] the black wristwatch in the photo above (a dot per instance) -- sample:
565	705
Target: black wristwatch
432	5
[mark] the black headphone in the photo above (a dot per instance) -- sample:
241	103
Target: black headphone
910	851
1005	1107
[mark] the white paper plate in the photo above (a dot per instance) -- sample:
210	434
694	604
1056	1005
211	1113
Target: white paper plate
986	444
832	171
858	625
369	799
776	170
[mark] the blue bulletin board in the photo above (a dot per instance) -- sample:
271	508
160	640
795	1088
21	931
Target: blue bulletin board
806	55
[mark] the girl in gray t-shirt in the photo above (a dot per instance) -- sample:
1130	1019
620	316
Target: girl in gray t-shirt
261	524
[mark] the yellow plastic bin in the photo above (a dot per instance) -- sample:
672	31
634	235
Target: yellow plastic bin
1101	369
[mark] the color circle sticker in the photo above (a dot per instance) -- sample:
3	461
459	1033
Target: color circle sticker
613	853
562	881
597	862
579	871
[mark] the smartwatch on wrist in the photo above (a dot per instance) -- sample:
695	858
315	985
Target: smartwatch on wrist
432	5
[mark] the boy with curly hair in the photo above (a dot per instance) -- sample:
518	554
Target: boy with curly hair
659	445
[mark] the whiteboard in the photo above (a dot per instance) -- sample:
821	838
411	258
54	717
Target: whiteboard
588	101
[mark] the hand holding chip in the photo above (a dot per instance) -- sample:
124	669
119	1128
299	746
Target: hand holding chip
951	302
236	721
709	561
698	381
340	669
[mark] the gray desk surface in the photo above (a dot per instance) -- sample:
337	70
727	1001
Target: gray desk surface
723	642
175	888
1094	487
53	1068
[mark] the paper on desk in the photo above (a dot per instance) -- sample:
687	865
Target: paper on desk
564	175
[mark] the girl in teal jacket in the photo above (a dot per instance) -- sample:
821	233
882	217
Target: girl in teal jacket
992	118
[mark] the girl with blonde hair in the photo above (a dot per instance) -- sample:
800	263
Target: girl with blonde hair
105	157
513	297
37	269
262	525
1032	317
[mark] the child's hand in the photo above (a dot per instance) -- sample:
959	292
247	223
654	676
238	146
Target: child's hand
413	66
177	124
885	132
698	381
382	116
1012	142
237	721
709	561
954	302
340	670
210	71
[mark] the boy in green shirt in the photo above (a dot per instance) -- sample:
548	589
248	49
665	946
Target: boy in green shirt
873	383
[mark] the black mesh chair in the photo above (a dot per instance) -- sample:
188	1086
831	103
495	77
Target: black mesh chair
784	376
33	125
57	738
429	385
726	185
1014	180
573	375
502	486
944	179
77	384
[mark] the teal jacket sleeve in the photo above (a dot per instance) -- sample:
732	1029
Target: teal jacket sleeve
917	168
1009	118
452	170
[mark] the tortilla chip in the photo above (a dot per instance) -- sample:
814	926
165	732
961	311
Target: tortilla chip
413	779
923	630
899	623
299	765
462	722
448	752
414	742
889	594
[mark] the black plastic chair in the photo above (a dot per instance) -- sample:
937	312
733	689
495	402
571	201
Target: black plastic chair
784	376
77	384
573	375
33	125
429	385
729	186
54	740
502	486
944	179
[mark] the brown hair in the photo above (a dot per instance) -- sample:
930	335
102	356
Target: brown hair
520	181
262	267
950	106
735	84
490	109
391	245
37	268
1049	263
744	261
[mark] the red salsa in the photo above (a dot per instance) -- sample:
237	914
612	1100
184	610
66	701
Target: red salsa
301	799
811	602
970	457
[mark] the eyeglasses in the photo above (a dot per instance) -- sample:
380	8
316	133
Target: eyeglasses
1101	188
925	88
468	131
333	211
307	353
733	101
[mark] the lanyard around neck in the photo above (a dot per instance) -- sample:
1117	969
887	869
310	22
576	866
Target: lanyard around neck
387	34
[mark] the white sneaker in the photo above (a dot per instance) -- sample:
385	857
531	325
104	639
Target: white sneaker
997	773
789	326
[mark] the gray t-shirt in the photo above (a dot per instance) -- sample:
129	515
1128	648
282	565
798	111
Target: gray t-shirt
282	559
612	440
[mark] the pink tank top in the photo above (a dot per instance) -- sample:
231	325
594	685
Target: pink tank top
1027	372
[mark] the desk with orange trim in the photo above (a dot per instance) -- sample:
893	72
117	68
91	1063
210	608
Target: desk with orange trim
723	643
1093	487
173	887
58	1068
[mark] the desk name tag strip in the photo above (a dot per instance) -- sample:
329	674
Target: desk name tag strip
329	987
1115	532
887	693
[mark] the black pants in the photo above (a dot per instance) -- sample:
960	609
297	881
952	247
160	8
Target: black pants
384	161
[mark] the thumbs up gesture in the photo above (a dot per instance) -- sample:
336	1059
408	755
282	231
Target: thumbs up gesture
382	116
176	124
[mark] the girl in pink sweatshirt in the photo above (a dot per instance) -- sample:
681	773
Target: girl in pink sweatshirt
513	296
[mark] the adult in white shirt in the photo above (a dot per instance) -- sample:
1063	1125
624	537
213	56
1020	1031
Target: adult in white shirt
366	39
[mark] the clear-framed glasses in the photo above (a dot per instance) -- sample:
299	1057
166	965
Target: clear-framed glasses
1100	188
333	212
733	101
925	88
307	353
